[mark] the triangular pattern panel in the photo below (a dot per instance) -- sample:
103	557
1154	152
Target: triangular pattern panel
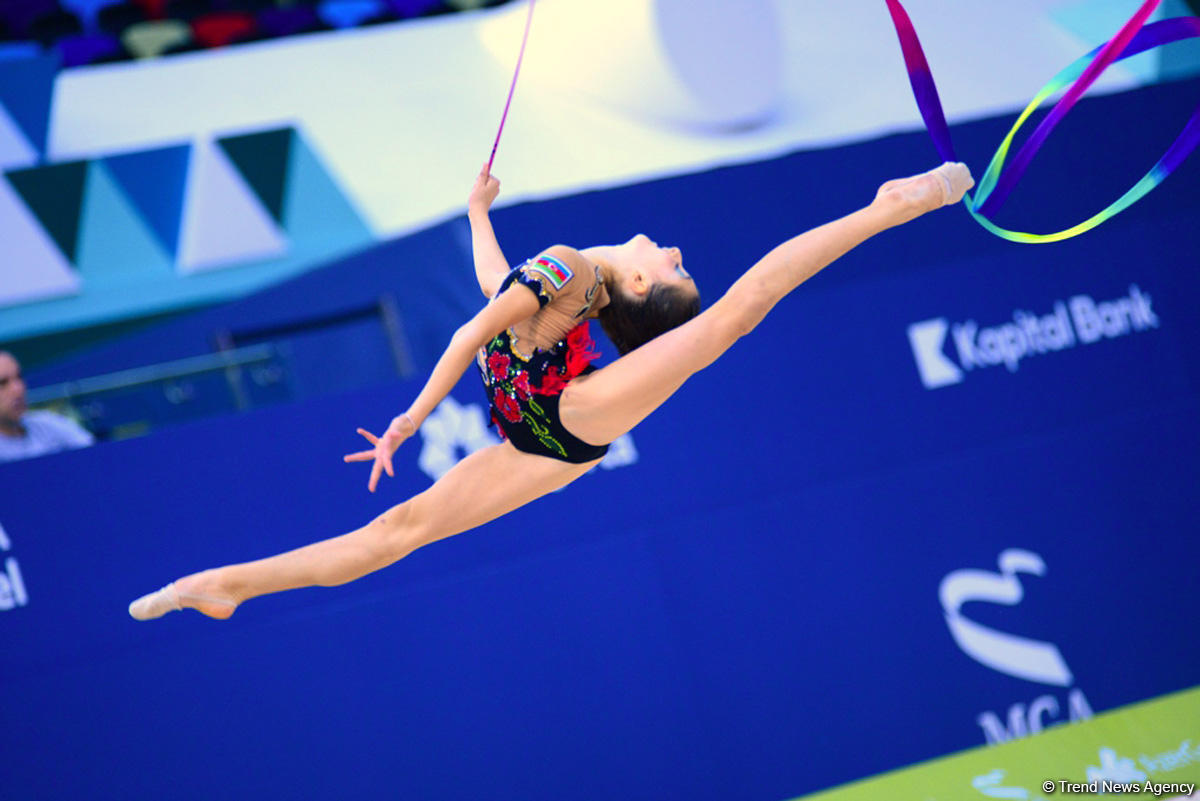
54	194
32	267
15	150
224	222
262	159
26	89
115	245
155	182
316	212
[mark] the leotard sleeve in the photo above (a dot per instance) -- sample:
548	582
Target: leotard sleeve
544	275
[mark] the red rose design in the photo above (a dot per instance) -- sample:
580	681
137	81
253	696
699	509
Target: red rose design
521	385
552	382
508	407
580	350
496	423
498	364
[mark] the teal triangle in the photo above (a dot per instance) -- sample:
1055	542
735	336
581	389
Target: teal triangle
315	211
154	181
115	244
26	88
53	194
262	159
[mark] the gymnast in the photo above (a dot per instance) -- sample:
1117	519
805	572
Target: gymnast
550	403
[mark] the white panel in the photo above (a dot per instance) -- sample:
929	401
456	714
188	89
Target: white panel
15	150
403	114
31	265
223	222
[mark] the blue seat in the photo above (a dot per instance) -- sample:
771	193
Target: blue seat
88	49
88	11
289	21
16	51
412	8
349	13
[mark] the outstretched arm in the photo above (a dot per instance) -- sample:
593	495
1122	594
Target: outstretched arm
506	311
490	265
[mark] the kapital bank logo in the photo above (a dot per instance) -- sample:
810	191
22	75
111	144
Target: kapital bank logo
1081	320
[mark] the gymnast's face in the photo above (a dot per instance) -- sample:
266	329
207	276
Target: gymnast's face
649	264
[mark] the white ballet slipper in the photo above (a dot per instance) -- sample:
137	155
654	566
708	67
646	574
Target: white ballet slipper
168	599
955	179
156	604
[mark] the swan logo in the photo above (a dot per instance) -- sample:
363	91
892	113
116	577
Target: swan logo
1080	320
1021	657
1011	654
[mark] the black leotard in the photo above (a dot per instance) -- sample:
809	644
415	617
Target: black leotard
524	392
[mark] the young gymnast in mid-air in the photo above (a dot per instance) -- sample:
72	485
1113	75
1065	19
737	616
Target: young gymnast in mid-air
555	410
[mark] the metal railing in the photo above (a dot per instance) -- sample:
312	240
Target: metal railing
68	391
251	367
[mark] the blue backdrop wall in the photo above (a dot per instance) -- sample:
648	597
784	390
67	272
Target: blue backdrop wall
945	494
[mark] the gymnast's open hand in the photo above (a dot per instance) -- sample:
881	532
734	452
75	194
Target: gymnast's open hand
400	429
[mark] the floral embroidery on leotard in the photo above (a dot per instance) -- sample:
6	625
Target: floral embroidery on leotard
512	382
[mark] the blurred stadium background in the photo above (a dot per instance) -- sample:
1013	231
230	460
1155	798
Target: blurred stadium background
931	534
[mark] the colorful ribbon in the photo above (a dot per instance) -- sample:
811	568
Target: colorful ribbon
997	183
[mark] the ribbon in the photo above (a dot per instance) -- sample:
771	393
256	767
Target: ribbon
997	182
512	87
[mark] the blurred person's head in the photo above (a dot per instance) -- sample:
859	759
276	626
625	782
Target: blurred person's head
12	394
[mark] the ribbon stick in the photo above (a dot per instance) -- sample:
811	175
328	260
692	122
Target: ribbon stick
997	182
512	87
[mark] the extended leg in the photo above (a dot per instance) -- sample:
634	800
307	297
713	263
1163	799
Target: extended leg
485	485
609	402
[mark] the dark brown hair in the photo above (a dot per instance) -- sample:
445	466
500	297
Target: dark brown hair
631	323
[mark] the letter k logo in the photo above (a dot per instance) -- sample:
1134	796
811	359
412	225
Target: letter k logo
927	338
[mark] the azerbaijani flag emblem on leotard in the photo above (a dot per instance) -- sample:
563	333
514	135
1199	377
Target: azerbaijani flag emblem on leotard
552	269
